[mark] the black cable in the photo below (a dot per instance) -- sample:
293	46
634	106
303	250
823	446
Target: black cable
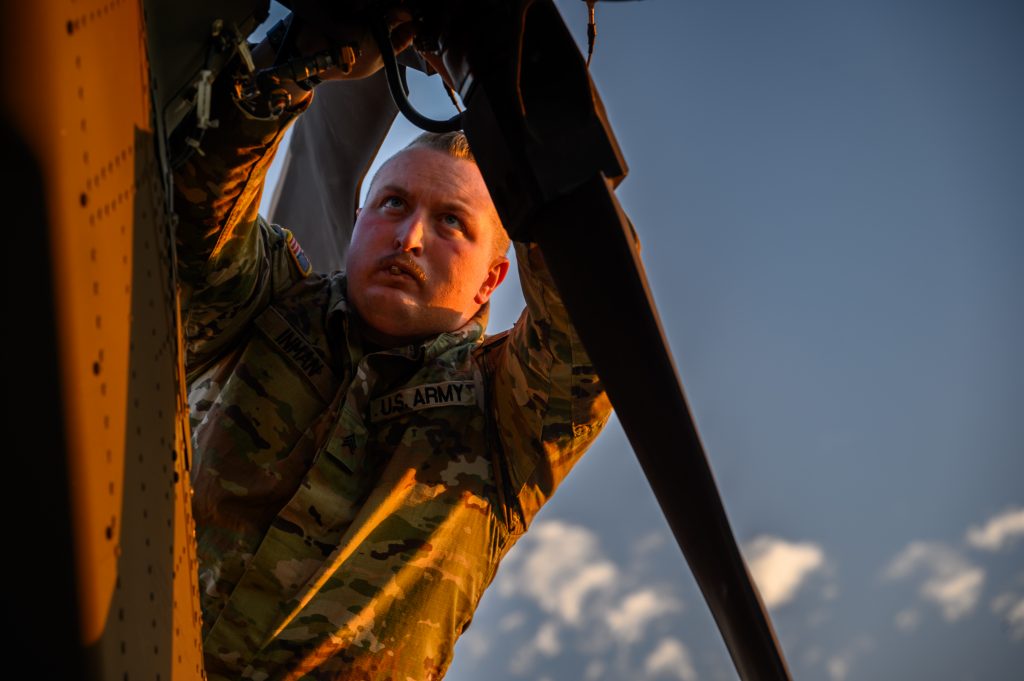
395	82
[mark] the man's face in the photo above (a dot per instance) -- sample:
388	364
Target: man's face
422	258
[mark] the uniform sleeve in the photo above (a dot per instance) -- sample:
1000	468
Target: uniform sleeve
549	403
230	261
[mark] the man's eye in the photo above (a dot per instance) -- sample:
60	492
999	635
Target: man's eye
451	221
392	202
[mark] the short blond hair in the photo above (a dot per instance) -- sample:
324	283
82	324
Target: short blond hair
452	143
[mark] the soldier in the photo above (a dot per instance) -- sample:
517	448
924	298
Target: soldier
363	455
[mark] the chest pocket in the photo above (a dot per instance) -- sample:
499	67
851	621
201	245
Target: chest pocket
437	429
446	449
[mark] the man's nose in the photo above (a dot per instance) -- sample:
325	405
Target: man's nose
409	234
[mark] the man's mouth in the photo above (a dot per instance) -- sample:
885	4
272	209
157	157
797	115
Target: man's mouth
399	266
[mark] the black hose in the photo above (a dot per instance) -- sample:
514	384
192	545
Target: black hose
395	85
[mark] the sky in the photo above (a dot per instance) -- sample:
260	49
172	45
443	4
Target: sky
830	200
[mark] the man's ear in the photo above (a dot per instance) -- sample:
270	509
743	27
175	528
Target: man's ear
495	275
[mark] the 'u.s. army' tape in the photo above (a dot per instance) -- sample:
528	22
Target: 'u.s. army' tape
446	394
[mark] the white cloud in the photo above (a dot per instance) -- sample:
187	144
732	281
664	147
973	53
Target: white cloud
545	642
952	582
587	603
650	543
907	620
957	594
475	643
634	612
1011	607
838	666
999	532
511	621
595	670
546	639
558	566
779	567
670	658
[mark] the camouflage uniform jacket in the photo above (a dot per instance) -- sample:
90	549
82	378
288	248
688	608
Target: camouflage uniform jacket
351	505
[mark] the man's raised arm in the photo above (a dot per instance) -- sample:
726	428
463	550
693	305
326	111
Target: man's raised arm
229	259
548	401
231	262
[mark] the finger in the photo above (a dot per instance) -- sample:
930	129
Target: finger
402	36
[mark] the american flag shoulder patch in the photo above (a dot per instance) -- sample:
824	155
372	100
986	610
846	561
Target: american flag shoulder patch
302	262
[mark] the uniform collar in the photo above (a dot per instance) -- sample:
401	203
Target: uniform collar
343	324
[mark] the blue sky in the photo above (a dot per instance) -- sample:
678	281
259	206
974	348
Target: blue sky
830	198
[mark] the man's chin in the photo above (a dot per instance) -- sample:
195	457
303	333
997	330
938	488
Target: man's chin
387	308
